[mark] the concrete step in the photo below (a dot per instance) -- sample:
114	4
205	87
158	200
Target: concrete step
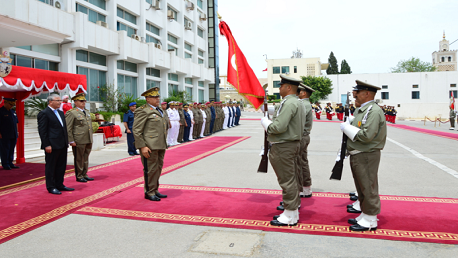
36	152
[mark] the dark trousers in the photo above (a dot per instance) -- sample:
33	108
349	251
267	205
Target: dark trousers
237	119
130	143
212	124
186	133
56	162
7	151
228	121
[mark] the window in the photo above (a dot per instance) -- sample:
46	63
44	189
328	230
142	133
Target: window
276	70
89	57
128	85
173	77
130	30
201	84
187	55
295	69
285	69
200	32
188	47
201	96
277	95
276	84
189	92
96	81
170	47
201	61
153	72
175	13
127	66
34	63
449	58
126	16
151	39
454	92
453	85
200	4
385	95
153	29
188	81
151	84
415	86
384	86
200	53
93	16
172	39
99	3
172	88
443	59
49	49
415	95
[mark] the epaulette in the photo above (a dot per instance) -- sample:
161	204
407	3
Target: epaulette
126	112
143	106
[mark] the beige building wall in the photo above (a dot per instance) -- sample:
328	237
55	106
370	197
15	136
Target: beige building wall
293	67
444	59
228	92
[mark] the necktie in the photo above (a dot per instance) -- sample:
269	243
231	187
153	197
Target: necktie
58	117
84	113
160	111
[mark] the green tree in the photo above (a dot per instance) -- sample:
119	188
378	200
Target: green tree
412	65
333	67
111	97
321	85
345	68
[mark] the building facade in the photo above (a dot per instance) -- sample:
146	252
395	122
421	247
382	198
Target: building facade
414	95
228	92
133	45
293	67
444	59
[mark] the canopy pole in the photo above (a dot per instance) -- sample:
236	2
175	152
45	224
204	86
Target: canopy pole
20	157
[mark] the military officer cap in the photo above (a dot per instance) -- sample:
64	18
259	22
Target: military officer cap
185	105
289	80
11	101
180	104
132	104
306	88
365	86
79	96
163	103
153	92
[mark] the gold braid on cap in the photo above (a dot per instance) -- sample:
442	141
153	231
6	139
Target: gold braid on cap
79	97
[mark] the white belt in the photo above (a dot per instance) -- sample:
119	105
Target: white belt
354	152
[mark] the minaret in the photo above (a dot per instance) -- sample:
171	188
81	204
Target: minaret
444	59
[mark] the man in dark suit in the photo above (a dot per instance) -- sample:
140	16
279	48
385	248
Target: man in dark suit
54	140
8	133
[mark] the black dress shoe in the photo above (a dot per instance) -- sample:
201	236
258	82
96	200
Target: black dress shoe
161	195
89	178
278	223
354	198
352	221
137	153
280	208
352	194
82	180
14	166
152	198
305	196
66	189
131	154
349	206
54	191
353	210
6	168
358	227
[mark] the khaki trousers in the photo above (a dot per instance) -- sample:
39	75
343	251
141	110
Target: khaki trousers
303	169
283	160
180	133
152	169
452	122
364	167
81	159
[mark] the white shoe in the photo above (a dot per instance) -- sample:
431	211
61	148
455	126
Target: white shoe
288	217
306	192
356	205
452	128
368	221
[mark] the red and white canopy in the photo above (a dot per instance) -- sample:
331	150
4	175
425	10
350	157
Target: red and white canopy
36	81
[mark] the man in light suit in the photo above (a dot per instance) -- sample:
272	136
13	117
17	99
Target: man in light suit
54	140
79	130
150	133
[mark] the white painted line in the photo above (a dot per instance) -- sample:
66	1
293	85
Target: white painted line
431	161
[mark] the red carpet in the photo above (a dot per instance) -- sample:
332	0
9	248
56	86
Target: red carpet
449	135
402	218
27	172
30	206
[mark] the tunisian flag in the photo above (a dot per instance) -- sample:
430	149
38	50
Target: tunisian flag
239	72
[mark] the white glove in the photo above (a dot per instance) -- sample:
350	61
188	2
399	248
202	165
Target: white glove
351	118
265	122
344	124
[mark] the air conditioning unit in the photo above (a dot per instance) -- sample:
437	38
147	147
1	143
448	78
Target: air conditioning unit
158	46
189	6
171	15
102	23
203	17
58	4
188	25
156	4
136	37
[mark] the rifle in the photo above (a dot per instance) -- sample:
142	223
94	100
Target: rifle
338	167
265	159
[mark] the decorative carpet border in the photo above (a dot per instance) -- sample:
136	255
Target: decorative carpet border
300	228
315	194
41	180
15	229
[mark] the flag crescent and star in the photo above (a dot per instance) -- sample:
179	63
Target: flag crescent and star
239	72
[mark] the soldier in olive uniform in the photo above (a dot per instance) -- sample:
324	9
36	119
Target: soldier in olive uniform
182	122
452	118
285	132
79	130
150	133
198	120
367	136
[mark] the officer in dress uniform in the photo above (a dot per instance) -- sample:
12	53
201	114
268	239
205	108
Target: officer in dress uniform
214	116
187	124
79	130
352	109
150	133
182	122
340	111
367	136
285	132
128	121
452	118
318	110
237	113
8	133
329	111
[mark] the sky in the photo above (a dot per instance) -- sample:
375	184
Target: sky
372	36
